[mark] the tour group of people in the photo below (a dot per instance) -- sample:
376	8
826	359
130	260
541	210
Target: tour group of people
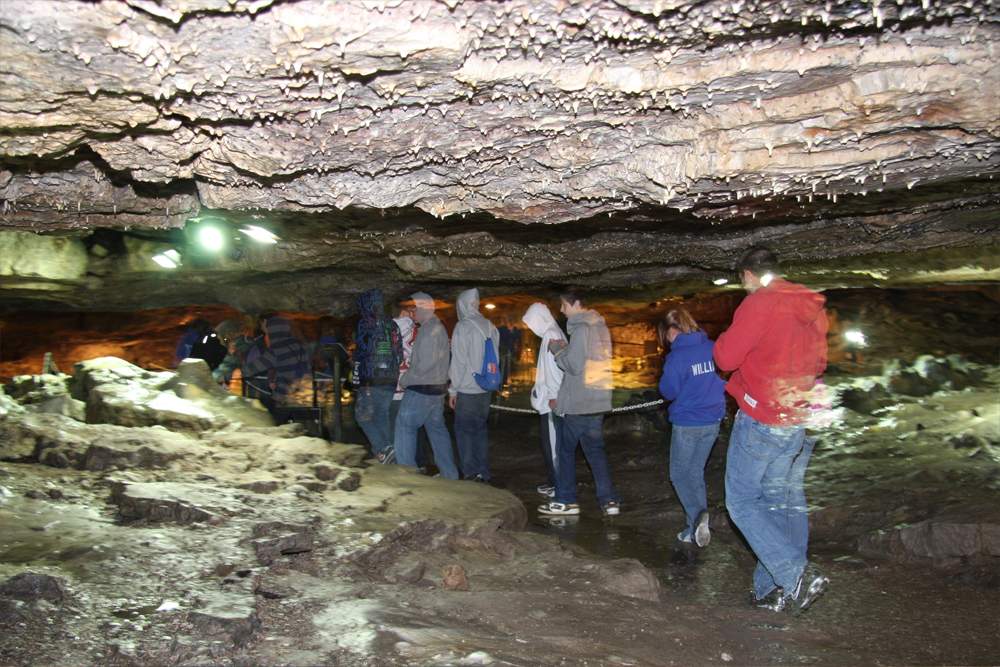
405	368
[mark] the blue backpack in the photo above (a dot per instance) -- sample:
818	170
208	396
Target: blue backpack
489	379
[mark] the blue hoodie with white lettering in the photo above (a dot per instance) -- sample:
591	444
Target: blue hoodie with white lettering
690	381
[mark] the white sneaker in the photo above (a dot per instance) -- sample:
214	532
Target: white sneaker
685	540
611	509
547	490
559	508
702	535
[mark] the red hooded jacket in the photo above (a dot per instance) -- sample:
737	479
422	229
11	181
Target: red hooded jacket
776	347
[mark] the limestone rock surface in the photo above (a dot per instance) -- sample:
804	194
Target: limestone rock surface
408	142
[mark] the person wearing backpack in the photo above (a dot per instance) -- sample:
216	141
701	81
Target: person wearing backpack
285	361
378	354
473	375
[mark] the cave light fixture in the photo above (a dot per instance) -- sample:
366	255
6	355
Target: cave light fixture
490	306
721	281
259	234
856	338
766	279
168	259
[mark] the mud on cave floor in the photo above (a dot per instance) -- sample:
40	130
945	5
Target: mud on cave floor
532	599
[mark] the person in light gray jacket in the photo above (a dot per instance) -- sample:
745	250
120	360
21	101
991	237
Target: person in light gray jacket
584	395
424	385
470	402
548	379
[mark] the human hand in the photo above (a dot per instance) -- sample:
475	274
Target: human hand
451	401
556	345
552	404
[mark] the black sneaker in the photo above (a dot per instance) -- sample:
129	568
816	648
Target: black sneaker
772	600
702	535
478	479
810	586
387	455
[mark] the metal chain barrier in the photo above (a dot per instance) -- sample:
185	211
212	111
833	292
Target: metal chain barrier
626	408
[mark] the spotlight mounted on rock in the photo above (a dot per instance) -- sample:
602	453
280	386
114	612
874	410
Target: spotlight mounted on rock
168	259
856	338
259	234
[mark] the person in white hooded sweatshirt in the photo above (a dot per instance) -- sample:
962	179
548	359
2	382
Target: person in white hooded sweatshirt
548	377
470	402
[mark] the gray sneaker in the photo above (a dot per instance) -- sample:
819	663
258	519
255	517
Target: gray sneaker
810	586
702	535
387	455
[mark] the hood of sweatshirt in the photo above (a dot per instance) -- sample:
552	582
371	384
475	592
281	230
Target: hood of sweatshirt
370	304
803	304
425	306
588	317
539	319
467	304
684	340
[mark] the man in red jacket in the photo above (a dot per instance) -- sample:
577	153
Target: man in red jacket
776	348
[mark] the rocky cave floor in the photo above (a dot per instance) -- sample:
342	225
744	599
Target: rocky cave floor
161	534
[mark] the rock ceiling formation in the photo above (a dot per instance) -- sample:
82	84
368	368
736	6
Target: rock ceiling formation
610	143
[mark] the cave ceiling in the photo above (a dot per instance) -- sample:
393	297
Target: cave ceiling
629	145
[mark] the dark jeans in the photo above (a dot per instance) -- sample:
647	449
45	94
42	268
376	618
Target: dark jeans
471	412
418	410
371	409
587	431
551	436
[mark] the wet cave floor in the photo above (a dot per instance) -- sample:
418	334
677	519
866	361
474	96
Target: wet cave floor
876	611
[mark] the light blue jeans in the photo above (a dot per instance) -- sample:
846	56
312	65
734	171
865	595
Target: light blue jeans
689	450
416	410
587	431
471	435
371	410
765	498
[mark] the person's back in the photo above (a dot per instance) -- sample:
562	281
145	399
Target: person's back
586	387
378	354
776	348
286	356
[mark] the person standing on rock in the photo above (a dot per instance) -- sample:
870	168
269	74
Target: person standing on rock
584	395
470	402
776	348
548	379
378	353
698	404
408	329
425	385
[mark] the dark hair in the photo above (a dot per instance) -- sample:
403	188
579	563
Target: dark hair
676	318
572	295
266	315
758	260
201	326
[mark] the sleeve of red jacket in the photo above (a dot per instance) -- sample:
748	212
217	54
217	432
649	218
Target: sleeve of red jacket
742	336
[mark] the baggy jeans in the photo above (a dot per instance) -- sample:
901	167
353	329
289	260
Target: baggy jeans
371	410
551	437
416	410
471	435
765	498
587	431
690	447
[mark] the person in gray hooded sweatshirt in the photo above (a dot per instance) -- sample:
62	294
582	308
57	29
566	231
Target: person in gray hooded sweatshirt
584	395
424	386
470	402
548	379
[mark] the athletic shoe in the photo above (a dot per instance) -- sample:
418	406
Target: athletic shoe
547	491
685	539
478	479
772	600
611	509
810	586
559	508
387	455
702	535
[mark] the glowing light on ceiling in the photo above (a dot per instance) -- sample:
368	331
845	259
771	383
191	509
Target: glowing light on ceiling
168	259
765	279
259	234
721	281
490	306
210	237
